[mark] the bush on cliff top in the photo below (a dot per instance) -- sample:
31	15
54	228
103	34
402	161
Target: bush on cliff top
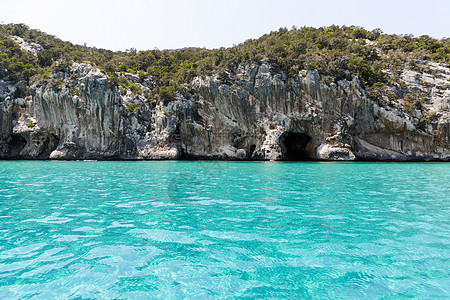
336	52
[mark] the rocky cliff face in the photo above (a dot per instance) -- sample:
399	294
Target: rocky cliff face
256	115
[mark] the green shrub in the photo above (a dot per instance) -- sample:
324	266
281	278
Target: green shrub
338	52
123	68
131	109
166	94
135	89
428	117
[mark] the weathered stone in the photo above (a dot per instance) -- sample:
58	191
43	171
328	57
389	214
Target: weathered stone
262	116
27	46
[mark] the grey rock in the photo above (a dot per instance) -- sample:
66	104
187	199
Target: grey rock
27	46
261	116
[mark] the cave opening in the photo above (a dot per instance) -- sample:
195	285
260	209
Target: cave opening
295	146
16	144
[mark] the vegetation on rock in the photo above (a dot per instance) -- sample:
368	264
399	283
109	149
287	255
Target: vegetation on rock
30	124
336	52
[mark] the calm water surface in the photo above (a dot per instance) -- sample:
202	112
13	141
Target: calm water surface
203	230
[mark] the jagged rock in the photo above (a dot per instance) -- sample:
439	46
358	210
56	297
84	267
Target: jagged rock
6	90
327	152
260	115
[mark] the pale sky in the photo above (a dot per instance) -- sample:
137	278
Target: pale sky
170	24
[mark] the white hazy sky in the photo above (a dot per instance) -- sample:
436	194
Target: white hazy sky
169	24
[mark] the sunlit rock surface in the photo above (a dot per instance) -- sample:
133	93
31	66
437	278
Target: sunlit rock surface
261	116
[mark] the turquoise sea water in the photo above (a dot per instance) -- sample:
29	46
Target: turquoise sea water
177	229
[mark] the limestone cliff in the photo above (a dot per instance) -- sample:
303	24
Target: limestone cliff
260	116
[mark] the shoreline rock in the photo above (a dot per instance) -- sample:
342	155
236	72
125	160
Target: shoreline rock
262	117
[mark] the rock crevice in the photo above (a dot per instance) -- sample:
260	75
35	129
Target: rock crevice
261	116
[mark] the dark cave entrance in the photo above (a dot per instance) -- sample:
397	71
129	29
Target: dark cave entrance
16	144
295	146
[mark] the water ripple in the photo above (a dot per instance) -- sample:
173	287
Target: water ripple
208	230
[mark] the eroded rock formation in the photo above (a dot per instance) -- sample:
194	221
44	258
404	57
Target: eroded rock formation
260	116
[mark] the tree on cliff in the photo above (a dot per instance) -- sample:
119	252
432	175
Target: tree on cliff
337	52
